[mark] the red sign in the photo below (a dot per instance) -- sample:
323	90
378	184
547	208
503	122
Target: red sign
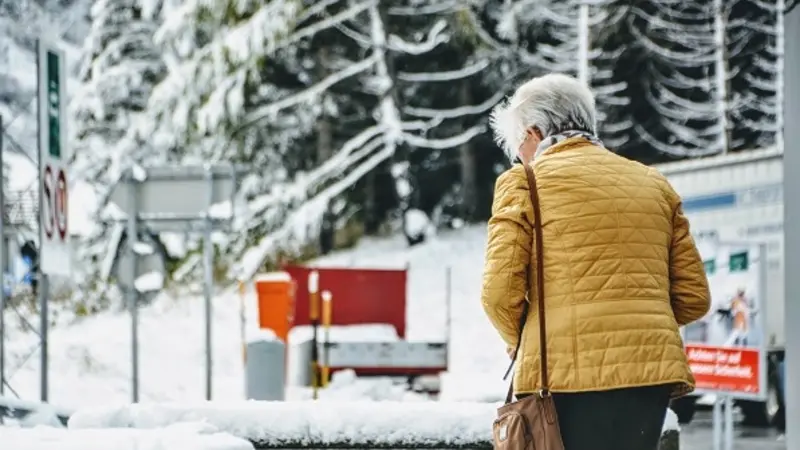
54	213
61	209
727	369
48	219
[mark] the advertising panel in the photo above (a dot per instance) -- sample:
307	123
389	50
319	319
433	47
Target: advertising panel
726	348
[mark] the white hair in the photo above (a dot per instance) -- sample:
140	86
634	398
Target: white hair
553	103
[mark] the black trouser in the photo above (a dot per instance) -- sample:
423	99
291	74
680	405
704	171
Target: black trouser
622	419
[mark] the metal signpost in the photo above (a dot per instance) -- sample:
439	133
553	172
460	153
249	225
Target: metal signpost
171	198
791	179
2	270
54	246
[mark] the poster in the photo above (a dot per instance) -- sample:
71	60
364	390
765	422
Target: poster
725	348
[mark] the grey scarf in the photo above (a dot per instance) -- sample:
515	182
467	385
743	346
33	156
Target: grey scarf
552	140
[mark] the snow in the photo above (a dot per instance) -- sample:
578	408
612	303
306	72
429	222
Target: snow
417	223
379	423
92	358
149	282
193	436
43	417
351	333
262	335
143	248
327	421
22	172
40	414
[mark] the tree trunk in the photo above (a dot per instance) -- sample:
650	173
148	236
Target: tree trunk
324	129
469	192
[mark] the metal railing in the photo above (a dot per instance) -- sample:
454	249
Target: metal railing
21	209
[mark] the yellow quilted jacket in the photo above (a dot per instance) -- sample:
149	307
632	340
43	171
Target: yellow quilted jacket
621	270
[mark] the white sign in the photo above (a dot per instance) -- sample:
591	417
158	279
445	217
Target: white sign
54	252
386	355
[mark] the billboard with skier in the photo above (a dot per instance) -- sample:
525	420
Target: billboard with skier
726	348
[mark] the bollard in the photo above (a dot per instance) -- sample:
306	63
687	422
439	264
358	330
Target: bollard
326	327
243	320
298	371
313	312
265	369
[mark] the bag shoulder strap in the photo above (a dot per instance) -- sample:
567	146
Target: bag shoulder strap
537	228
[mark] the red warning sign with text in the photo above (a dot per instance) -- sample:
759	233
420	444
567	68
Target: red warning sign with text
725	369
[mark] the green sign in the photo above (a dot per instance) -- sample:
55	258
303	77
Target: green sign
710	266
54	105
738	262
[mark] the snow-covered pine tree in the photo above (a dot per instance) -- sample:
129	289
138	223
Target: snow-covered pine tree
243	88
119	67
755	49
609	56
445	106
21	23
681	117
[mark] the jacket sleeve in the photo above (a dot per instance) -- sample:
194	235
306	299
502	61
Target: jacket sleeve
508	254
689	293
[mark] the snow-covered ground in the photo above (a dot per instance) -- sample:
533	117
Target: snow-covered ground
90	368
90	361
477	354
194	436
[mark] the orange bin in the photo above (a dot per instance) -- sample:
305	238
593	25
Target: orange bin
275	293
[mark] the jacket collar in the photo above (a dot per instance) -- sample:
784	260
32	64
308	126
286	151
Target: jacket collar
564	140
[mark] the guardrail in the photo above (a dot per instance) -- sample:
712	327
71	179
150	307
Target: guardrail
327	424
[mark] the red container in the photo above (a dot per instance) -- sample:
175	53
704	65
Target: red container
360	296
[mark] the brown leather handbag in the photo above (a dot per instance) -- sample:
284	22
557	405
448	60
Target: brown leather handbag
530	423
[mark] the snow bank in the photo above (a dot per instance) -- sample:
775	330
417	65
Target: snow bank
479	387
368	332
37	413
289	424
381	424
346	386
194	436
261	335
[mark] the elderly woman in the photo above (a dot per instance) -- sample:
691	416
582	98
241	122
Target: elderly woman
621	271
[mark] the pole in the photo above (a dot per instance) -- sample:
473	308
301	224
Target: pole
2	268
44	325
448	289
716	424
243	321
791	80
791	181
728	433
583	42
133	294
780	44
208	276
327	316
313	313
41	278
721	73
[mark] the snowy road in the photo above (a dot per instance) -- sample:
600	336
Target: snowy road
698	436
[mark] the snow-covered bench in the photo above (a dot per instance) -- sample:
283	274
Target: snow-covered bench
327	424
